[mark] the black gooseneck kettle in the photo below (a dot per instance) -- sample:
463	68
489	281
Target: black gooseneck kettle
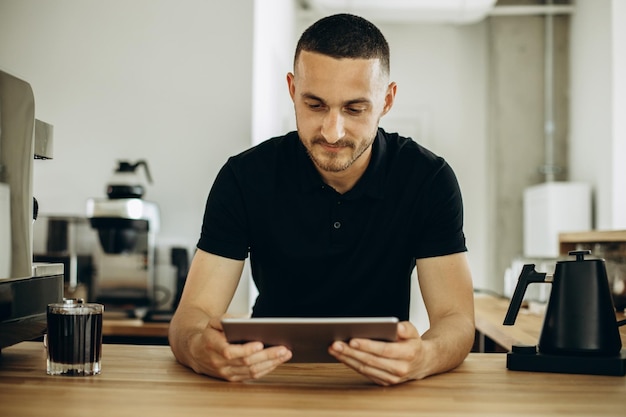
580	316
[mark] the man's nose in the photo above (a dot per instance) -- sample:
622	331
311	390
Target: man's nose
333	126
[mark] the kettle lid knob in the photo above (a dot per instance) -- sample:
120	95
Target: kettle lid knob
580	254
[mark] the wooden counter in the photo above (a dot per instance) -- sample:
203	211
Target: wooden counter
490	312
147	381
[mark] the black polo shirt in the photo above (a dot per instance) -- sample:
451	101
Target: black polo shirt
317	253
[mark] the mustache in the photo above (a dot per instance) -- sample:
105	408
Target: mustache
338	144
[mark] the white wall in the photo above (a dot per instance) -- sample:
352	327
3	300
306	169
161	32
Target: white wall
598	96
618	192
168	81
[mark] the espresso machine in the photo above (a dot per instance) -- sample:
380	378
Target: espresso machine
124	258
26	287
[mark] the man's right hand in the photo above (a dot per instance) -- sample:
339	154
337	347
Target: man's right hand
214	356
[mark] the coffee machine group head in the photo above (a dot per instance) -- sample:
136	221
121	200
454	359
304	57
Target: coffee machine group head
580	332
126	226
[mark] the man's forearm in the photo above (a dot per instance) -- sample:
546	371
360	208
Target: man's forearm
186	327
447	343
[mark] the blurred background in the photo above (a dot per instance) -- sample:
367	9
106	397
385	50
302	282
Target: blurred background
514	94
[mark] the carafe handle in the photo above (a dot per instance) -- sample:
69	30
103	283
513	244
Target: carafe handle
145	166
528	275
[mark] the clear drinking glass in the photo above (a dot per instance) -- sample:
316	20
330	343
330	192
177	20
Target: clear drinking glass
74	338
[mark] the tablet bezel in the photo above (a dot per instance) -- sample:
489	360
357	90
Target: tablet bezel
309	338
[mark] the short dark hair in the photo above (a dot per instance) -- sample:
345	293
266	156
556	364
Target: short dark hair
345	36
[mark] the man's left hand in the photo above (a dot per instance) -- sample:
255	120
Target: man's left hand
385	363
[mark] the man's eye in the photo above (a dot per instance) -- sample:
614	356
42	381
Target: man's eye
355	110
315	106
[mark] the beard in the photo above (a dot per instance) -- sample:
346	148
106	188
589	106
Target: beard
337	161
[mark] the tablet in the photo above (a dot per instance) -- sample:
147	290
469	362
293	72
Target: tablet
309	338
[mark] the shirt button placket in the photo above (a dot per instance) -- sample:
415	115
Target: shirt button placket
337	221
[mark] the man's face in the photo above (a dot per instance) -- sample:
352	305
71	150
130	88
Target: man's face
338	104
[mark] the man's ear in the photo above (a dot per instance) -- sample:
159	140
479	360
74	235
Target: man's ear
291	84
390	97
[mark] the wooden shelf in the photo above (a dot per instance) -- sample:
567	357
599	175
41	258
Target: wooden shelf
134	331
615	238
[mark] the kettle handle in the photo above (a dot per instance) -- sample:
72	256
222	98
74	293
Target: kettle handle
528	276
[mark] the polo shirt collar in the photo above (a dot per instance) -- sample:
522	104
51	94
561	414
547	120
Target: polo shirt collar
370	184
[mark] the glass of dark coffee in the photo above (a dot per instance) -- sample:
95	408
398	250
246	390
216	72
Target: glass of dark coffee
74	338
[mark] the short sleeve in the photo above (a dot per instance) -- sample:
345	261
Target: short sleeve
224	230
440	232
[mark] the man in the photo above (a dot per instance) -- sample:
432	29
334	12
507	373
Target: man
334	218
